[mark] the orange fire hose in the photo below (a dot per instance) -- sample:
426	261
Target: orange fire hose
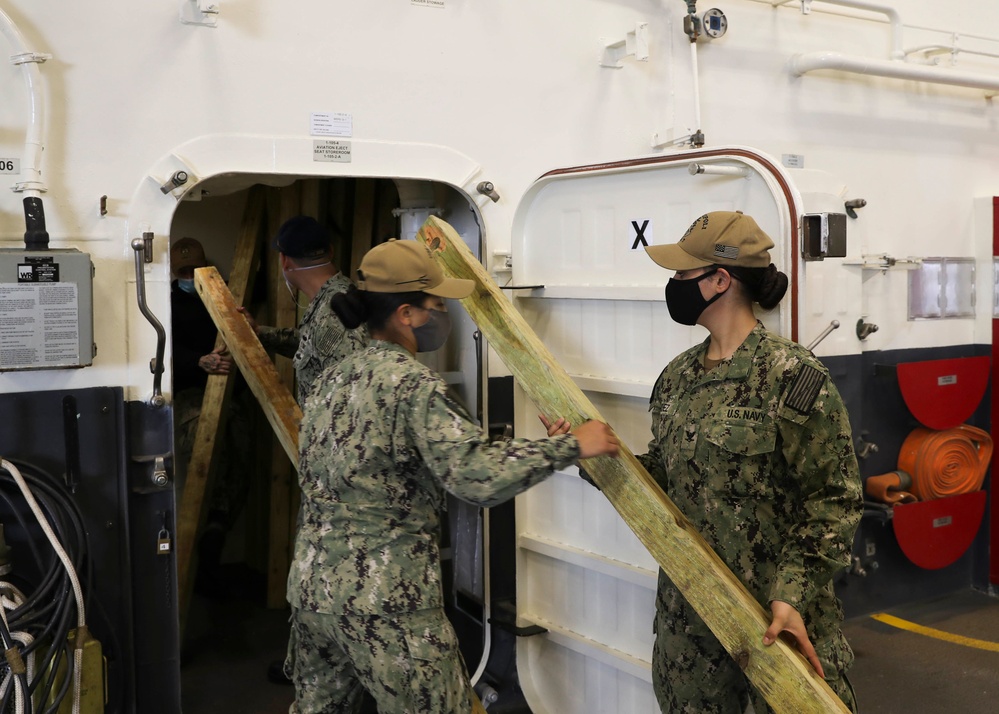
946	463
890	488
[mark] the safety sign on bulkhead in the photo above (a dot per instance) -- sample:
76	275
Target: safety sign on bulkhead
331	150
38	269
39	324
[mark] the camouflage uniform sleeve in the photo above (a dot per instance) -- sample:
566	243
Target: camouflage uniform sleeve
818	448
459	454
283	340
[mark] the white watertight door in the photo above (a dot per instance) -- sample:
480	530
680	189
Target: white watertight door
581	573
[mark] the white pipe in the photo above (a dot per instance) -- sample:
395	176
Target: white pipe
719	170
32	184
486	601
948	49
804	63
697	89
894	19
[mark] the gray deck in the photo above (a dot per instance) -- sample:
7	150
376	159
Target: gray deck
896	671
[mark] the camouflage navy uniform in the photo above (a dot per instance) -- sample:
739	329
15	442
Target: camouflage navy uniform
320	341
757	453
381	443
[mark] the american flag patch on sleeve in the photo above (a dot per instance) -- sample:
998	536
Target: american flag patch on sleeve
730	252
805	389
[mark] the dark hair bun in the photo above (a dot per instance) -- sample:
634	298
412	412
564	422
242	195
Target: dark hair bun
773	285
350	308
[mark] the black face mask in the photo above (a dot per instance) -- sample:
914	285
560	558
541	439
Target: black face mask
432	334
684	299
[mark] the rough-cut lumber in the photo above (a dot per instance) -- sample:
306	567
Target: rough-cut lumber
212	420
279	406
785	679
363	223
282	204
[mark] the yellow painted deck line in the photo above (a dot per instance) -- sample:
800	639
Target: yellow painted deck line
937	634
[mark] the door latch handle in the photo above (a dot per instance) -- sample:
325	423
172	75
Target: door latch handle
143	248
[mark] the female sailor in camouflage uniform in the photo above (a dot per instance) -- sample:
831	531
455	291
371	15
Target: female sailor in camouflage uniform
381	442
752	442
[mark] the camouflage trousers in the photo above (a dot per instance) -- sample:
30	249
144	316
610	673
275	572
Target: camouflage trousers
693	674
408	662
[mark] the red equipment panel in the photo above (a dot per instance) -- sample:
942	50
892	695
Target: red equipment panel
943	393
934	534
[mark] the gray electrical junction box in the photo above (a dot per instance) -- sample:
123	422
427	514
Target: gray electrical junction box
46	309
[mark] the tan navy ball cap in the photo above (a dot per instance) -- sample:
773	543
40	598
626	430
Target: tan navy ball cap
401	266
187	253
716	238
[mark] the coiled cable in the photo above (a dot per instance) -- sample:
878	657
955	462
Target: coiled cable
59	518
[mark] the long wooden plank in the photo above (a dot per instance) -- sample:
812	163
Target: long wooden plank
782	676
283	203
280	408
363	223
204	455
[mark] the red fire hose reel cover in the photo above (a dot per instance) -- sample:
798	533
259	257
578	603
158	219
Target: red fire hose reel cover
934	534
943	393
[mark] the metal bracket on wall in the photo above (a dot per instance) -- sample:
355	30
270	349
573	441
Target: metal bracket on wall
150	448
883	261
200	12
154	475
528	631
634	44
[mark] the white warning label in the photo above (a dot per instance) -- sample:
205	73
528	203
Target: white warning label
331	150
331	124
39	325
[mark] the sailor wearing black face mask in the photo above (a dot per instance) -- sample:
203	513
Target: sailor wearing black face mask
751	440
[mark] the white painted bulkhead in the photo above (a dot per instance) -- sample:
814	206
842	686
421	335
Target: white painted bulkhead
507	92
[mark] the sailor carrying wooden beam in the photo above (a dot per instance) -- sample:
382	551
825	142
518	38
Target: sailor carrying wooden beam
751	440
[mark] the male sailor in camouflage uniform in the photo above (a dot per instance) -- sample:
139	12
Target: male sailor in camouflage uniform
752	442
320	340
381	443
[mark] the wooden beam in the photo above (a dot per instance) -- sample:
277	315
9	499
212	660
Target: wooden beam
782	676
363	223
283	204
312	198
477	707
340	206
275	399
212	420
